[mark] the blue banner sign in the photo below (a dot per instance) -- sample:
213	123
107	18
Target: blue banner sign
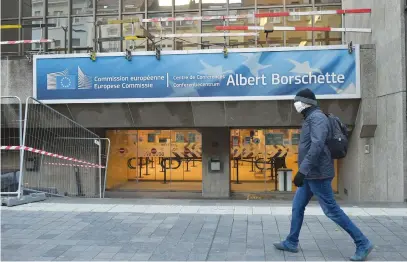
203	75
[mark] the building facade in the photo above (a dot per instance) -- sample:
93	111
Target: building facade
249	138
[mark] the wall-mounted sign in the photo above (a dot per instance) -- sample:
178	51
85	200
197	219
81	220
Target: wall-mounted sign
274	139
246	74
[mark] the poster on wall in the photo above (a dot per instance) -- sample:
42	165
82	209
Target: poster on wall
274	139
246	74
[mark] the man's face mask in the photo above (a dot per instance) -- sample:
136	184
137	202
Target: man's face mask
300	106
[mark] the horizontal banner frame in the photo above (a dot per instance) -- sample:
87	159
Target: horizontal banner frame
203	98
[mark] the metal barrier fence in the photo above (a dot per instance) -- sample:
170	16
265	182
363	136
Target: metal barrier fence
11	140
61	157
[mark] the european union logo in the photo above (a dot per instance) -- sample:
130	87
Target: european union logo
66	82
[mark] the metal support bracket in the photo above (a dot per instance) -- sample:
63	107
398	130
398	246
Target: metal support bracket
92	55
350	47
158	53
128	55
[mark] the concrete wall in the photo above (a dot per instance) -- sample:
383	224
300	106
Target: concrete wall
215	143
382	173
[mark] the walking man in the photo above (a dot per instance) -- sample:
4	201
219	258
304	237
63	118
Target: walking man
316	171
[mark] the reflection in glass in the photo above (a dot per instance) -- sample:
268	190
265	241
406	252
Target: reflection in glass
242	41
82	34
129	30
298	2
215	4
36	34
208	26
186	5
107	6
133	5
80	7
184	27
58	34
328	38
9	35
161	28
299	38
33	8
327	2
270	2
57	7
9	9
159	5
108	31
276	38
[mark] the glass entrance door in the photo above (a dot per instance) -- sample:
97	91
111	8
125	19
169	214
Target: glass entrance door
155	160
257	157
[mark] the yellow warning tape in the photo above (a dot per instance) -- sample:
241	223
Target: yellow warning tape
10	26
131	37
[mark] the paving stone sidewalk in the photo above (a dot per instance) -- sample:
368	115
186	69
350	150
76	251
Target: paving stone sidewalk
146	236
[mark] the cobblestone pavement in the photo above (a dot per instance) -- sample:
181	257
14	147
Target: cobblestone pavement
188	231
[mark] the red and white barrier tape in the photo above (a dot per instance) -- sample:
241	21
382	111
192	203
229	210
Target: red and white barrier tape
62	164
42	152
258	15
294	28
27	42
204	35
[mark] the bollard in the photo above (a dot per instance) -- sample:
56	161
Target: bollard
284	179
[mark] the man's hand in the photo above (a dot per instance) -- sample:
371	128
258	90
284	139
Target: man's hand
299	179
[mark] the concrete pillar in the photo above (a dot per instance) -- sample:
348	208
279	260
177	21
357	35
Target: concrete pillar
215	144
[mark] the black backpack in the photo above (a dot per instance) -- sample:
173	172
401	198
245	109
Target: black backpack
337	140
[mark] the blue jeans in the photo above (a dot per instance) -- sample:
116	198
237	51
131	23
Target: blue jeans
322	189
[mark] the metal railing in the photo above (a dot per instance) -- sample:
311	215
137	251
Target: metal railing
11	141
61	157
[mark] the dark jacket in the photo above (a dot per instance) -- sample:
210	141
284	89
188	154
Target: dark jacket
314	157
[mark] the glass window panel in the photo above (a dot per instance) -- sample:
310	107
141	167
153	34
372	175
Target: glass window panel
154	160
184	27
248	168
33	34
327	2
241	3
242	41
298	2
58	34
107	6
214	4
159	5
296	38
270	2
157	29
139	44
133	5
57	8
208	26
82	34
33	8
107	31
275	39
80	7
9	9
186	4
328	38
9	35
